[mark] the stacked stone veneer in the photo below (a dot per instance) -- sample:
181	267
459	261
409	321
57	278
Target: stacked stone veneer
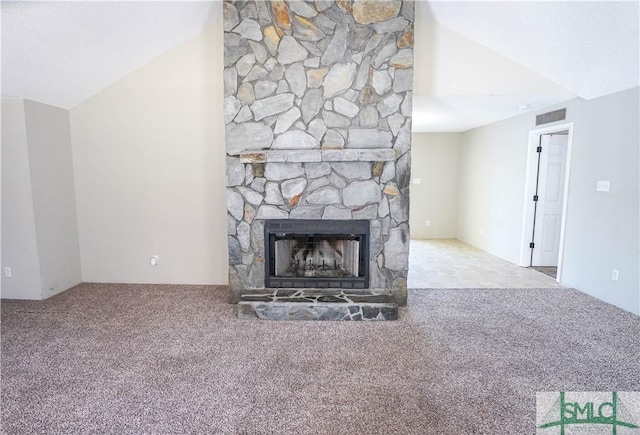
318	126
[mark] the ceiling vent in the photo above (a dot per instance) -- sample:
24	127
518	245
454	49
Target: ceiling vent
556	115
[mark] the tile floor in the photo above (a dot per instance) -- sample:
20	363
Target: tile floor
450	263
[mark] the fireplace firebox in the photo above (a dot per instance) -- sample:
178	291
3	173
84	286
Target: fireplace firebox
316	253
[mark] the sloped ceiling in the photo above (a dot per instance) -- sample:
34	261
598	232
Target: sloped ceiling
460	84
591	48
476	61
62	53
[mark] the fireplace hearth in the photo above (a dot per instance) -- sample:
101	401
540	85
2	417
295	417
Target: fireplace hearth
317	253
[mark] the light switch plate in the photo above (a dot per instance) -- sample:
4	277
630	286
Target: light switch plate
417	181
603	185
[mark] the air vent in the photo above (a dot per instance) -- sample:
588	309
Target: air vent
556	115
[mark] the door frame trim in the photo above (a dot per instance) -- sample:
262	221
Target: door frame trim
529	190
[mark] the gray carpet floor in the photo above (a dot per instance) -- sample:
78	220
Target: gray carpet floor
174	359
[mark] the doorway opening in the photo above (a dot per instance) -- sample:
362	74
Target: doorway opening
546	190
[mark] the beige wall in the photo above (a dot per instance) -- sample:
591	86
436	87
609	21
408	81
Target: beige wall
53	194
19	245
40	236
435	161
149	171
601	228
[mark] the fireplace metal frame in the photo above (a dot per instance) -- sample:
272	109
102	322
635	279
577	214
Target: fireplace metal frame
360	228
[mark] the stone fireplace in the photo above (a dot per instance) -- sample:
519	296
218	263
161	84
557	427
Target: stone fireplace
318	135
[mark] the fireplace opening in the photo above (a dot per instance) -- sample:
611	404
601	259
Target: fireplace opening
317	256
317	253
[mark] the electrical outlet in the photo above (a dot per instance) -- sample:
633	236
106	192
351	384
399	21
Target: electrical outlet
154	260
427	223
7	272
615	274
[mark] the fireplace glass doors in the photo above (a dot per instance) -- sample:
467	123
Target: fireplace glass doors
317	253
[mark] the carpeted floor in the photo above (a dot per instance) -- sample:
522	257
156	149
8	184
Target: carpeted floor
175	359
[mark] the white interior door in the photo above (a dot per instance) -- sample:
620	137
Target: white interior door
548	219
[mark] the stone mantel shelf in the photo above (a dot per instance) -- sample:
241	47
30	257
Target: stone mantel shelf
317	155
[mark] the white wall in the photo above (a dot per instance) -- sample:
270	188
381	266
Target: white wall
19	245
52	189
435	159
601	228
491	185
149	162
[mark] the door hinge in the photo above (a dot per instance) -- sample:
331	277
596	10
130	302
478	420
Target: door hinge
532	245
535	197
539	149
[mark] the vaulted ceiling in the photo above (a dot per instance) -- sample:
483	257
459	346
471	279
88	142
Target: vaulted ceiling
62	53
476	61
484	59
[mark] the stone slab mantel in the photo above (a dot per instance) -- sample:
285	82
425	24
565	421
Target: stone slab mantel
313	156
